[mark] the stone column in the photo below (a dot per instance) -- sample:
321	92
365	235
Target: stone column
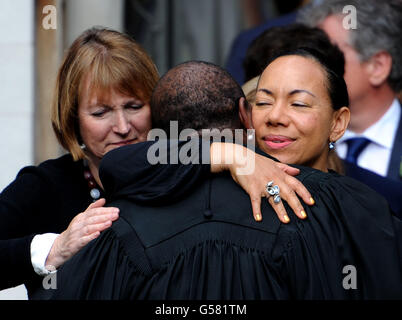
48	55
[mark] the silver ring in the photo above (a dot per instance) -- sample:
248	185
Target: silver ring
273	190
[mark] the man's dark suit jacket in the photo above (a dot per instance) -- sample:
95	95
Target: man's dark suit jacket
390	189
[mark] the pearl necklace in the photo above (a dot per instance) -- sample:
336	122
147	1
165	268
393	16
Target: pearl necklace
93	186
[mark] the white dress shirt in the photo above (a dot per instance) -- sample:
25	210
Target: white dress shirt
41	245
376	156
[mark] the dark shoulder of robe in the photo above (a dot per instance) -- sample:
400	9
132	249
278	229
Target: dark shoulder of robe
138	176
207	246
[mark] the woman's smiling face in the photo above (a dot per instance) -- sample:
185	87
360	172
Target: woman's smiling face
292	115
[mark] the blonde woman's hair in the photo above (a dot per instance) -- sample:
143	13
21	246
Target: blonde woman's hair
111	60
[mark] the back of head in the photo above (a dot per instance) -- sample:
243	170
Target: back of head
378	28
199	95
290	37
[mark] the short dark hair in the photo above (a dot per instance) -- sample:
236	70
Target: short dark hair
199	95
290	37
336	85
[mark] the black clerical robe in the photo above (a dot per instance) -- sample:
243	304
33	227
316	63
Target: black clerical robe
206	245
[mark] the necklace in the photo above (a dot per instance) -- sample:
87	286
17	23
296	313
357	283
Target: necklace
93	186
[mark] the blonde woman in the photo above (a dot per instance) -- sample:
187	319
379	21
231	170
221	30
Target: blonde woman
101	102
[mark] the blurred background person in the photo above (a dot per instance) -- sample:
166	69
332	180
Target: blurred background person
373	73
287	12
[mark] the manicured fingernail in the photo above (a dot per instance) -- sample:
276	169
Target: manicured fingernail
312	201
258	217
303	214
286	218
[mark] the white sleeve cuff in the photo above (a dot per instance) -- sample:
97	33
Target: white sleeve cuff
40	249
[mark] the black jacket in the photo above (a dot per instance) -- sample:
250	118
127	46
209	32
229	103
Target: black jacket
41	199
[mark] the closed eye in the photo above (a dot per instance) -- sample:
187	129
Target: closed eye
260	104
133	106
299	104
99	113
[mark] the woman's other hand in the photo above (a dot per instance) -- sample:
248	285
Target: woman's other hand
85	227
234	157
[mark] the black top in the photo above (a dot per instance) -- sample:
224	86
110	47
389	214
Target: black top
206	245
41	199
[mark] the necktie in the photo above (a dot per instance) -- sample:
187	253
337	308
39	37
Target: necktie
355	147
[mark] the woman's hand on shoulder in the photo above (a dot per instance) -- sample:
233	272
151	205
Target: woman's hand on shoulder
85	227
253	172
